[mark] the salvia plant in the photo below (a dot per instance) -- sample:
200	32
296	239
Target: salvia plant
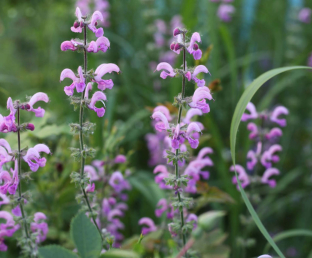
82	83
33	227
175	131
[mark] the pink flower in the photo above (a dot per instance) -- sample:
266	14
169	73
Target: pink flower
91	173
253	112
5	149
97	96
68	45
167	70
10	182
199	99
225	12
149	223
274	133
268	156
192	127
242	176
253	128
78	82
101	44
254	156
280	110
6	229
199	69
193	48
192	217
190	113
120	159
305	15
159	178
33	155
117	182
162	206
267	174
164	124
7	123
40	96
92	26
163	110
39	226
101	71
77	24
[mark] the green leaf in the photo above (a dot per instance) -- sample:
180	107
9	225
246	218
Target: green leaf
53	251
287	234
239	110
208	220
117	253
86	237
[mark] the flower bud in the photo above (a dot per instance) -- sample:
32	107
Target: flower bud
178	46
195	46
81	24
30	127
176	32
27	106
76	24
172	45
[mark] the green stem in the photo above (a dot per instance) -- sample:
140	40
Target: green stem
20	182
177	150
80	132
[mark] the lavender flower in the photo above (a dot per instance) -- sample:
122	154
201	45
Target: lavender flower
305	15
225	12
150	225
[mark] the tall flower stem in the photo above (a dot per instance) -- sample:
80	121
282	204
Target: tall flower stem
177	150
20	176
80	131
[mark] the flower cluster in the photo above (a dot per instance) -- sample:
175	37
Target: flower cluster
112	202
100	5
225	10
176	137
10	175
264	154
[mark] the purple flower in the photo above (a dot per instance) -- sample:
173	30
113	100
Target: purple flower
33	155
78	82
253	112
163	110
253	128
168	70
274	133
39	226
192	127
68	45
6	229
97	96
40	96
162	206
254	156
193	48
16	211
192	217
149	223
159	178
5	149
77	24
280	110
190	113
267	174
225	12
268	156
7	123
242	176
120	159
171	230
163	124
305	15
199	99
117	182
199	69
101	71
10	183
91	173
101	44
92	26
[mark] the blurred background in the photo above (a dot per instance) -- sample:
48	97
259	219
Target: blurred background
239	43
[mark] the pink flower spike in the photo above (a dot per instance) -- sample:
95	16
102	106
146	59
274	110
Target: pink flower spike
168	70
253	128
101	71
199	69
163	110
164	122
97	96
242	176
253	112
77	29
40	96
267	174
190	113
149	223
193	47
68	45
280	110
92	26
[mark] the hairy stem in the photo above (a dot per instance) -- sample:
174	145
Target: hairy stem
80	132
20	181
177	150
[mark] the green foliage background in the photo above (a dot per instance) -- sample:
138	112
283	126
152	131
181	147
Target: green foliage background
30	36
